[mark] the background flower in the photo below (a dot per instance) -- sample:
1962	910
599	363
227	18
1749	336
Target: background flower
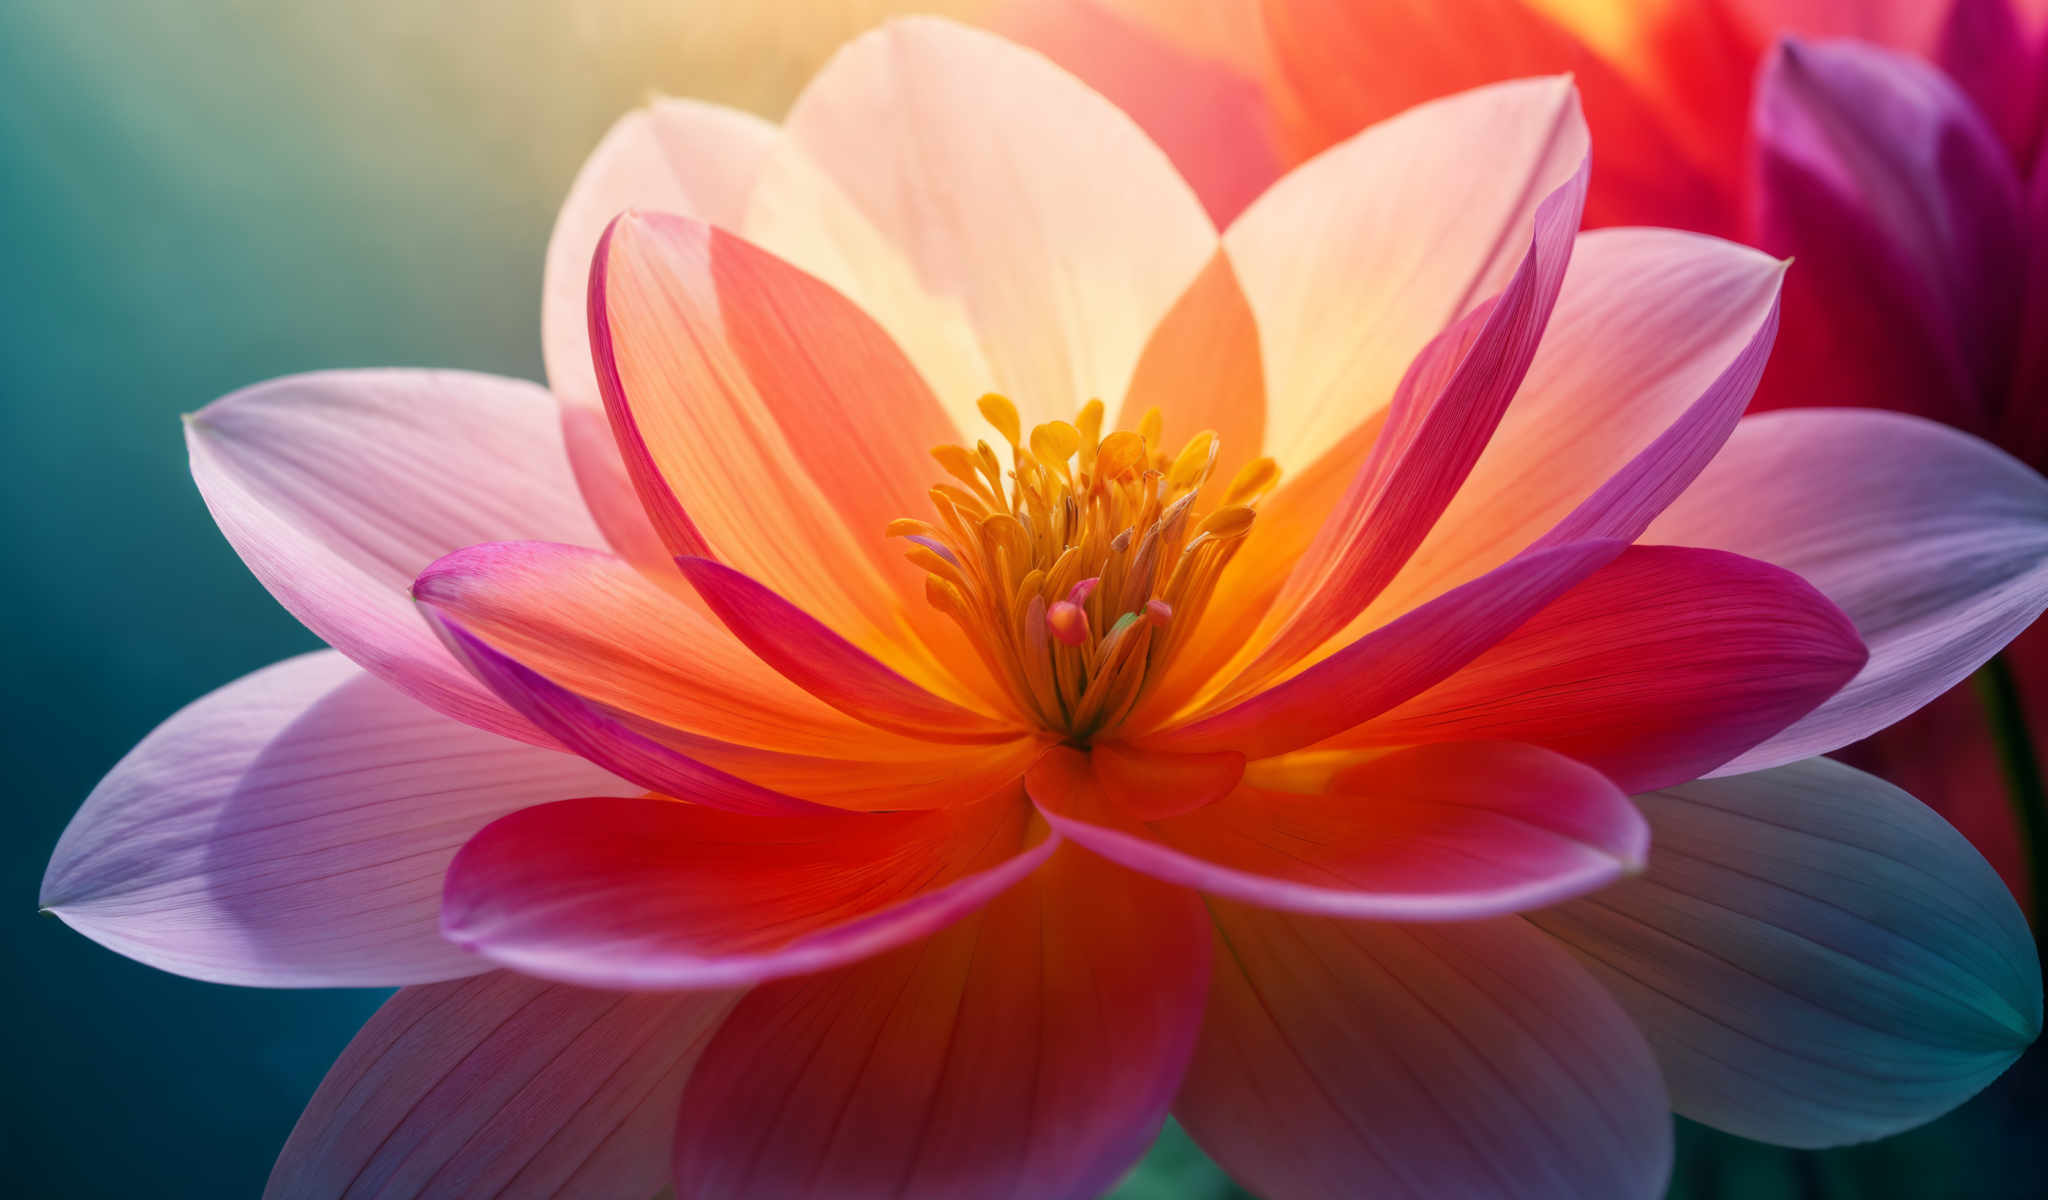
1890	146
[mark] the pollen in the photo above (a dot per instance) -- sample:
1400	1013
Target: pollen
1080	569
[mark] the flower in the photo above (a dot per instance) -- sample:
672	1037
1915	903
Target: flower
1245	724
1891	147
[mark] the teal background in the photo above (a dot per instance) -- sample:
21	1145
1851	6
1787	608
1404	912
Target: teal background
197	199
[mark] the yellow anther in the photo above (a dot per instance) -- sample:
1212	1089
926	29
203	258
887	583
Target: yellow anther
1192	465
1078	566
997	410
1054	442
960	463
1225	523
1252	481
1150	426
1089	423
1120	454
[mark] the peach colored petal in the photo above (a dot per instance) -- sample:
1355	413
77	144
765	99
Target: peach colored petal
1357	259
1438	425
1190	74
1029	1050
1011	228
674	156
768	421
589	731
590	622
1648	360
666	671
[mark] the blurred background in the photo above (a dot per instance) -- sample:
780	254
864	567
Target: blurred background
202	195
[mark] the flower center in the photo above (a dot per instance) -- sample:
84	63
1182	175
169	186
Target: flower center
1081	571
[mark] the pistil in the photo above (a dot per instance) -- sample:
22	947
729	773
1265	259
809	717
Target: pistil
1079	572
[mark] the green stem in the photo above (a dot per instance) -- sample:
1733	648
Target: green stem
1999	690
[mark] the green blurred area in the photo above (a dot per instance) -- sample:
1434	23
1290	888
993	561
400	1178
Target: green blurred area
203	195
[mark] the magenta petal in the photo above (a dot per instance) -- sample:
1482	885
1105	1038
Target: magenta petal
1816	957
646	892
1934	543
1434	833
1440	420
501	1086
1662	666
1355	1058
290	830
603	739
1030	1050
813	657
1394	662
1902	211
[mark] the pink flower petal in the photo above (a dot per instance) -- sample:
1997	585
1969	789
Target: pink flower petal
501	1086
1407	238
1815	956
1652	169
594	625
1211	118
1440	420
290	830
1436	833
767	420
1343	1058
647	892
1029	1050
829	667
1933	542
1644	369
674	156
1011	228
1658	668
1392	663
596	735
337	487
664	671
1905	214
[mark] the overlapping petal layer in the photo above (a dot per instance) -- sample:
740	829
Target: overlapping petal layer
1436	833
649	892
1816	957
1030	1049
291	830
1346	1057
1934	543
337	488
1011	229
502	1086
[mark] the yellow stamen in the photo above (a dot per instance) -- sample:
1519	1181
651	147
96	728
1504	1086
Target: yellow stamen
1078	574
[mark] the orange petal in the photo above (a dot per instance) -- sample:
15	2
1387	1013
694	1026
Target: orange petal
768	421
